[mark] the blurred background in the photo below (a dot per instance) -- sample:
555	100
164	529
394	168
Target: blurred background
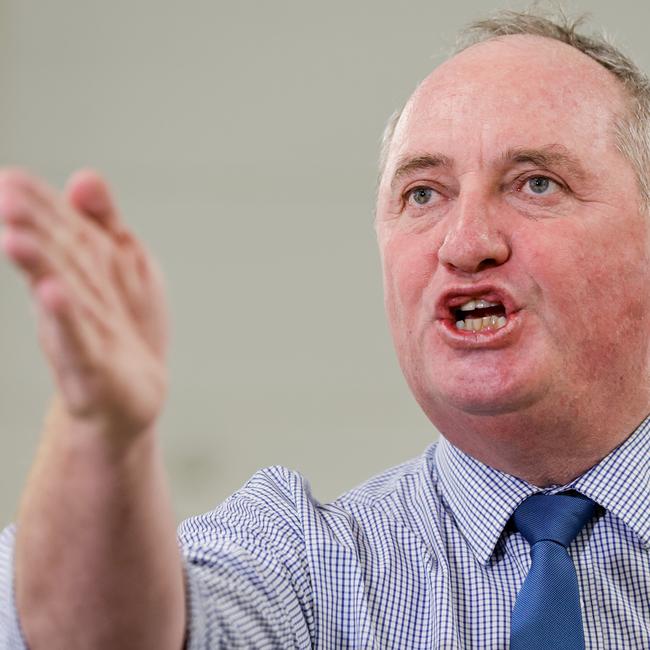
241	141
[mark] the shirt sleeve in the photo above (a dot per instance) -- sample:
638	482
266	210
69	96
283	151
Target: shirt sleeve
247	580
246	571
11	635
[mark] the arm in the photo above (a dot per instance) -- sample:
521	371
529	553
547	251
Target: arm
96	559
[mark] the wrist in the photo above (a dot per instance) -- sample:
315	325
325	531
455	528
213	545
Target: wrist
95	434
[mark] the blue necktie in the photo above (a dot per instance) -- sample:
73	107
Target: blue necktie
547	615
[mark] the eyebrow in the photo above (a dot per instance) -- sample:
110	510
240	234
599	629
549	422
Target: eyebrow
552	155
408	165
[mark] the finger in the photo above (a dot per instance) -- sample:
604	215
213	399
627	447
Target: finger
63	222
18	182
22	238
140	280
57	250
20	192
19	246
88	192
53	300
72	244
71	331
25	248
87	257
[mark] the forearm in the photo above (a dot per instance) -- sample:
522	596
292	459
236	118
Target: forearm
97	563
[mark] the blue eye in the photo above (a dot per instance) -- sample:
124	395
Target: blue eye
540	185
421	195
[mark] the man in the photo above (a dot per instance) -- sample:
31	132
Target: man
512	221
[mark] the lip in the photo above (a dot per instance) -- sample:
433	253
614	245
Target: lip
452	298
456	296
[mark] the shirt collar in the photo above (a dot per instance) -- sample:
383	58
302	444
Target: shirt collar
482	499
620	482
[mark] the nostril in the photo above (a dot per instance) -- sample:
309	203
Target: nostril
487	264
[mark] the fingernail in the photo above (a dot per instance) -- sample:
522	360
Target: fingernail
96	203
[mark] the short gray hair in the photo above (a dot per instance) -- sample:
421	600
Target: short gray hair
632	130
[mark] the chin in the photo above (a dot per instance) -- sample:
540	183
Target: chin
480	393
487	404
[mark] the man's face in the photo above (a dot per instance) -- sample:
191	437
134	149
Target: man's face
503	184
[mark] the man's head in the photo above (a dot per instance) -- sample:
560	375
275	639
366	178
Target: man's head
632	128
508	179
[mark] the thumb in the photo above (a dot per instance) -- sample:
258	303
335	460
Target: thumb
88	193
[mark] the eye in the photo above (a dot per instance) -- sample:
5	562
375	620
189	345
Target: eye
420	196
540	185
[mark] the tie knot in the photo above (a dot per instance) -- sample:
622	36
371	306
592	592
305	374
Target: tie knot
557	517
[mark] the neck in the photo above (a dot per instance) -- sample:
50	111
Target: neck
543	449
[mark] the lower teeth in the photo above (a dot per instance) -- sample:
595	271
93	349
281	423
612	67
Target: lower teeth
478	324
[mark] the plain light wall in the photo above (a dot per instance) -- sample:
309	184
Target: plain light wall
241	141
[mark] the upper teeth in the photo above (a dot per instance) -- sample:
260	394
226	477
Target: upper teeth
477	304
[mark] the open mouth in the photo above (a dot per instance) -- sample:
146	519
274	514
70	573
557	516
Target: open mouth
479	315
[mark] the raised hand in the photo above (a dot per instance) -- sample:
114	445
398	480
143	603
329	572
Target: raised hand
99	297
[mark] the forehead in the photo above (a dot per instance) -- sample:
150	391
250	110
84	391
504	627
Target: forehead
514	91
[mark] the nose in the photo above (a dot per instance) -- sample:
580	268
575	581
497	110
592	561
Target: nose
475	239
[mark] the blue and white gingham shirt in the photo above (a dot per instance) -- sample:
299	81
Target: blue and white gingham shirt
421	556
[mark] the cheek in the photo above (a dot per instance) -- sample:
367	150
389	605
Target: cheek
594	290
409	264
